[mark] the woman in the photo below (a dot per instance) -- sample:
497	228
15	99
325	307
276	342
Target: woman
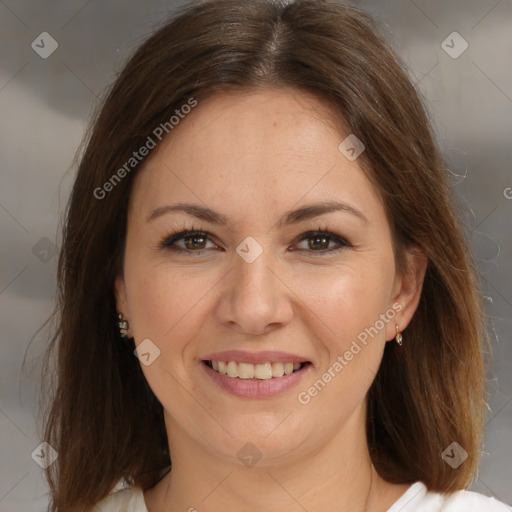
261	216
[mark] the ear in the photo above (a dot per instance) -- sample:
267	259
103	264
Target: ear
407	290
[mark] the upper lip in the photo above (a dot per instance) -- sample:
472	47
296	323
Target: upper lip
267	356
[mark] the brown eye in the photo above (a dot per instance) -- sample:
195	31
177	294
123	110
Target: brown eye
321	242
194	242
186	241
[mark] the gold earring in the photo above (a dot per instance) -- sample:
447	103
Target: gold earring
123	326
398	337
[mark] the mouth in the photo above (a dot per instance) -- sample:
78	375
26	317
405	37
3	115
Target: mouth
261	371
256	381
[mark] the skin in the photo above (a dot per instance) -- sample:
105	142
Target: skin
253	156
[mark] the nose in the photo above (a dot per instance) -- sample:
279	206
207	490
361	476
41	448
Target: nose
255	297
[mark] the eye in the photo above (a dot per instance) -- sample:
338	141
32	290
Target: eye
319	241
192	241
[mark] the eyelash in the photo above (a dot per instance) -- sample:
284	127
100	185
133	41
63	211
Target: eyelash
168	242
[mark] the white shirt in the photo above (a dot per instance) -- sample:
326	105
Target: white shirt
415	499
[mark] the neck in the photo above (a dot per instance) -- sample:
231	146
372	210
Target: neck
338	477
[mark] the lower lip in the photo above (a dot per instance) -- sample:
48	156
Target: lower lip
256	388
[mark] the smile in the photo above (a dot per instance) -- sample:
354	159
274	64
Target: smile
262	371
256	381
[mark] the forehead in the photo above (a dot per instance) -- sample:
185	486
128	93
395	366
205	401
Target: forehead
274	146
262	121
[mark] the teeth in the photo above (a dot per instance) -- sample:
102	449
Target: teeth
232	369
245	370
263	371
277	369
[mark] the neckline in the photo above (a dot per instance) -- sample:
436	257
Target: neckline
416	491
140	502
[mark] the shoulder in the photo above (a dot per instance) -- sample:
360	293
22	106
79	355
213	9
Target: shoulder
123	499
473	501
418	499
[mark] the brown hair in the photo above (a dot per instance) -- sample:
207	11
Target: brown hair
104	420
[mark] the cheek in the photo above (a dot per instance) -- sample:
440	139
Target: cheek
163	303
168	309
345	320
347	299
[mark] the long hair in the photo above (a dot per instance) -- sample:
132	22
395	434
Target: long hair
103	419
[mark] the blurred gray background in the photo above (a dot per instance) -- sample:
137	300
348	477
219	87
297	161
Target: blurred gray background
45	104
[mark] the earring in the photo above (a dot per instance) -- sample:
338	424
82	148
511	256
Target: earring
123	326
398	337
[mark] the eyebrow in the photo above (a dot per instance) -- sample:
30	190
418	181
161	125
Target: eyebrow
291	217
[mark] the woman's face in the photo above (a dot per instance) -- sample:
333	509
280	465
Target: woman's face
256	169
